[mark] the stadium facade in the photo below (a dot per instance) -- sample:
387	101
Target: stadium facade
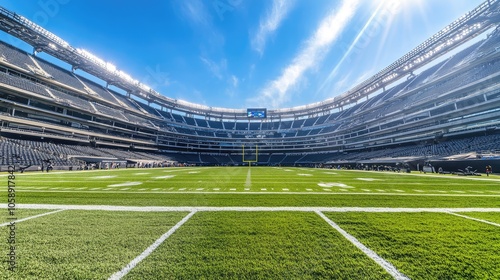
449	110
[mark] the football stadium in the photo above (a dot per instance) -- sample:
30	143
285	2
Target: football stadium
105	177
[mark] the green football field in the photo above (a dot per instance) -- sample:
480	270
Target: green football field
250	223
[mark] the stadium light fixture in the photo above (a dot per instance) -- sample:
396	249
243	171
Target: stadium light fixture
41	30
194	105
145	87
110	67
390	77
100	62
450	35
84	53
126	77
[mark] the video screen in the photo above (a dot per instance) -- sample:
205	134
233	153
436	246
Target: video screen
257	113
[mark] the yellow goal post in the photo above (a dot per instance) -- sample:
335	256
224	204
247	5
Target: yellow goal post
250	153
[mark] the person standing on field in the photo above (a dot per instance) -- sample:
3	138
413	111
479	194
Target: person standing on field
488	170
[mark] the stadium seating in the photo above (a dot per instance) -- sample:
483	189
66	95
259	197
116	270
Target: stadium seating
16	57
23	84
403	119
60	75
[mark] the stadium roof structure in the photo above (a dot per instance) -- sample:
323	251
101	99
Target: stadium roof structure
467	27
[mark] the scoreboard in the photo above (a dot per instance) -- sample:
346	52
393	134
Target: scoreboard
258	113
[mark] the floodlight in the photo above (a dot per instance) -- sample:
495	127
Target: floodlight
145	87
110	67
125	76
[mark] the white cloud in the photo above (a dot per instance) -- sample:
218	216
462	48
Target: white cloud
270	23
347	81
329	30
353	45
196	12
232	88
251	71
201	19
235	81
220	71
217	69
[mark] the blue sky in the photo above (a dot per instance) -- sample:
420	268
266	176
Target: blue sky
244	53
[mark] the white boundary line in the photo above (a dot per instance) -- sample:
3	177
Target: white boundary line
179	169
265	193
149	250
248	209
32	217
431	175
371	254
475	219
173	169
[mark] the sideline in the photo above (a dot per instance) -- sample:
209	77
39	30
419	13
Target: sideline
475	219
393	271
249	209
101	190
149	250
32	217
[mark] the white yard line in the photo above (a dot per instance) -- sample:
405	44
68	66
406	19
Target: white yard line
475	219
248	182
474	178
346	192
187	169
150	249
249	209
166	169
371	254
32	217
34	173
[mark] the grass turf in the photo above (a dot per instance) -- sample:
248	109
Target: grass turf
20	214
257	245
84	244
428	245
493	217
254	245
240	186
